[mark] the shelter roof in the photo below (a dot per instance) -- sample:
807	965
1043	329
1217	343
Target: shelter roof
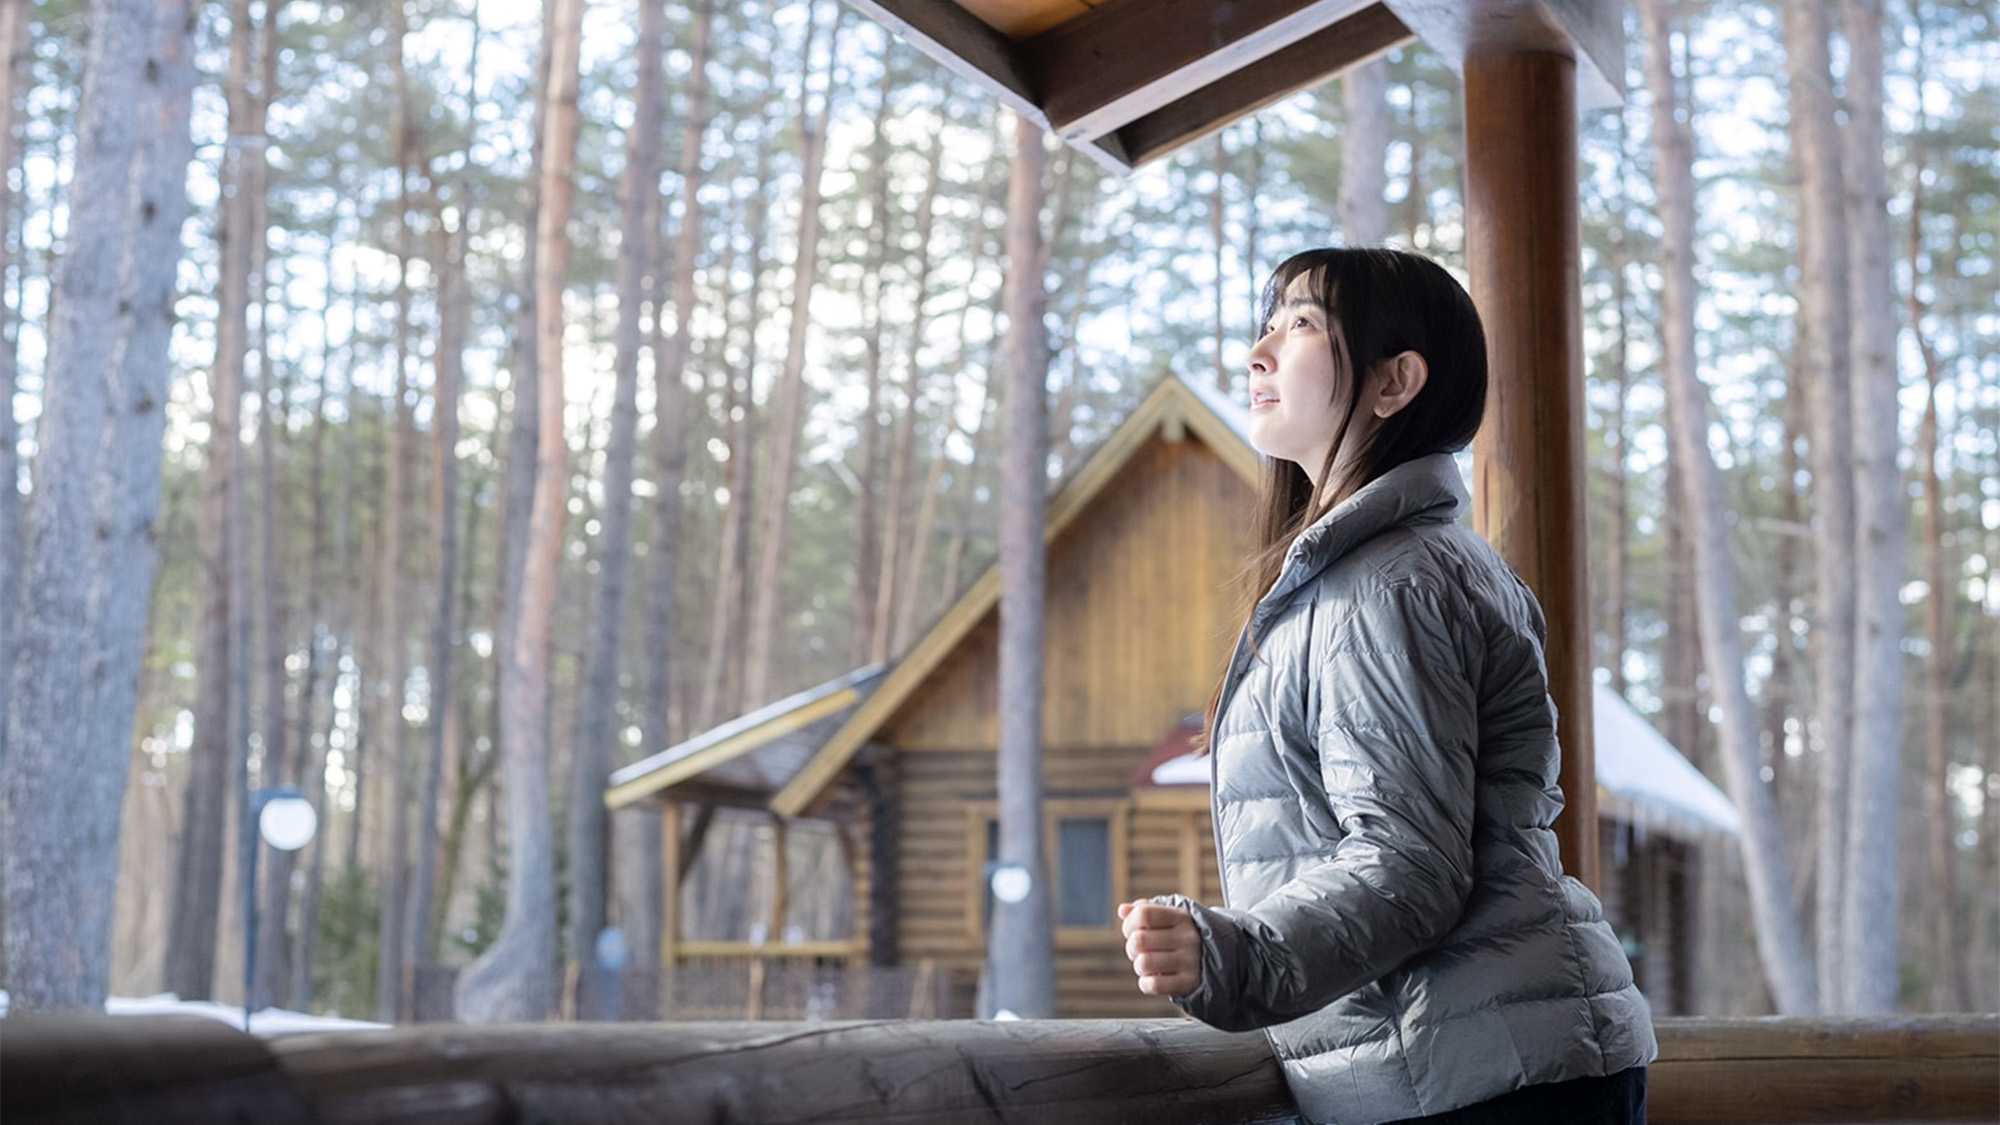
753	754
1126	81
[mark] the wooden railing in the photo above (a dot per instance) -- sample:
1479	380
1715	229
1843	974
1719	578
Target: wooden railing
183	1069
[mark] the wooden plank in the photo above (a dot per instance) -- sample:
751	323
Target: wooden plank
1349	42
1524	248
1930	1068
1095	81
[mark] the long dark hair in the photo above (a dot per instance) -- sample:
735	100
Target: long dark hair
1380	304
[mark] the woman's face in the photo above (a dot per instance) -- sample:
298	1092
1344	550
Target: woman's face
1295	398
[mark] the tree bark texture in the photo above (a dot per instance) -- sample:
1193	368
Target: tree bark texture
14	75
892	553
1868	902
454	318
220	735
1824	343
513	980
870	503
392	668
1780	941
788	399
89	536
1364	150
597	720
1020	954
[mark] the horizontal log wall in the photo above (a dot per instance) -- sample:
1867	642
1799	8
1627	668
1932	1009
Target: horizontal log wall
171	1069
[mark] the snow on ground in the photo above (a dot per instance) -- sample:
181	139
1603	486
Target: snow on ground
269	1021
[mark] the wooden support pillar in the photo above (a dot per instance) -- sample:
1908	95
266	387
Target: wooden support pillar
781	878
672	870
1522	248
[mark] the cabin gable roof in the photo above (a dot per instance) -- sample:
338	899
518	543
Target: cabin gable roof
1175	409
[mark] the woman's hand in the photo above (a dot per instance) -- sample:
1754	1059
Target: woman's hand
1164	947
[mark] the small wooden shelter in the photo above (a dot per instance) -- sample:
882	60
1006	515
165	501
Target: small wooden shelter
1142	542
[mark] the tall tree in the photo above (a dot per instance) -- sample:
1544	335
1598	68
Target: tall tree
279	768
597	720
870	501
788	398
1020	943
1364	151
1868	918
14	70
89	536
903	452
1824	345
220	710
1780	942
512	979
392	652
669	456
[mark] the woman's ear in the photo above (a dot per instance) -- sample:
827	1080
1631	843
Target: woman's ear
1398	380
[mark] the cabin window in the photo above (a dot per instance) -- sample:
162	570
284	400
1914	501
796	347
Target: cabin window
1084	849
1083	872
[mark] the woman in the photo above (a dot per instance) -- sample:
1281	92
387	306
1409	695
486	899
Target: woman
1384	752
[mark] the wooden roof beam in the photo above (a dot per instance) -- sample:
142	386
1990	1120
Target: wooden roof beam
1125	59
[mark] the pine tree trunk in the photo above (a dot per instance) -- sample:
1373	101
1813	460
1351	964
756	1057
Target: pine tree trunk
903	446
1951	989
280	766
1364	151
1823	333
219	739
313	777
1868	902
513	980
392	670
1780	942
454	318
788	399
14	76
89	535
1020	954
1218	237
870	503
722	678
597	725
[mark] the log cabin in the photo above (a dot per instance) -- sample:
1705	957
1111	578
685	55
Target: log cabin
1144	538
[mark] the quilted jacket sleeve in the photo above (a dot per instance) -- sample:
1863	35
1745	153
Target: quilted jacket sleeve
1394	719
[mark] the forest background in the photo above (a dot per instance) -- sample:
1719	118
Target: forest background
780	374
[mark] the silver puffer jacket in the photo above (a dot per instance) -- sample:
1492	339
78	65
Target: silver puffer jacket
1384	781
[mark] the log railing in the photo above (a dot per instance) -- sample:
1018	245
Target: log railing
183	1069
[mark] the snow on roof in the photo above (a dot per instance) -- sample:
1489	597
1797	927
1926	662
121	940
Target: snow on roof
1641	778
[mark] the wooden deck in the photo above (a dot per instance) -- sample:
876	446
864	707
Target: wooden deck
184	1069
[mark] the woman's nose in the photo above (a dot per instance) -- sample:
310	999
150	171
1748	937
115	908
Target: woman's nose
1260	357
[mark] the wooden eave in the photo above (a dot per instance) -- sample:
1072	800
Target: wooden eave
691	764
1173	409
1126	81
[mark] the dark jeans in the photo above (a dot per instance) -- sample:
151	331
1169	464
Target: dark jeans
1616	1099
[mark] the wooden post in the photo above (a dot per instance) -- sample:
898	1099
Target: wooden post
670	910
1523	245
781	879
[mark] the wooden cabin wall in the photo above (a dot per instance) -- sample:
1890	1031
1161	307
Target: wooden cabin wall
1140	619
940	869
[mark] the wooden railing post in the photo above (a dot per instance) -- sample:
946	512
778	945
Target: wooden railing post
1522	247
